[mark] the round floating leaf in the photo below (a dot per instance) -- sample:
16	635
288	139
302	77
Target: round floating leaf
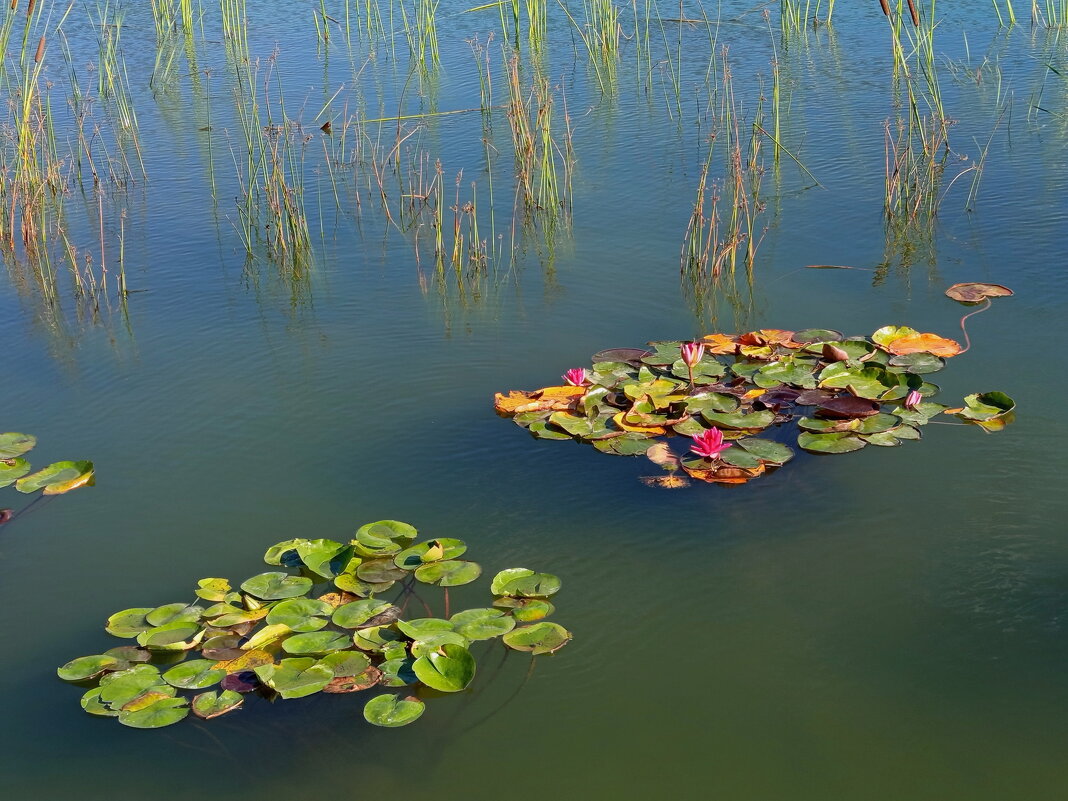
482	624
129	653
284	554
275	586
128	622
213	589
542	430
711	402
365	680
300	614
397	672
390	711
91	703
976	293
433	642
88	667
196	674
766	450
524	583
526	610
316	642
739	458
991	411
620	355
830	443
266	636
12	444
917	363
348	581
172	636
848	406
161	712
376	638
12	469
249	660
450	573
540	638
326	558
173	613
629	444
423	627
119	688
449	670
828	426
346	663
888	333
740	421
924	343
362	613
816	335
441	549
877	424
212	704
384	538
295	678
244	682
379	571
58	478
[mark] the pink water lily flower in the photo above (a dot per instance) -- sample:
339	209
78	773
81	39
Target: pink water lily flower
692	353
912	400
576	376
709	444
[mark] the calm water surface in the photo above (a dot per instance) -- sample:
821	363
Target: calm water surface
884	625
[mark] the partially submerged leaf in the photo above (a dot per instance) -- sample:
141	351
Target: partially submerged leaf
976	293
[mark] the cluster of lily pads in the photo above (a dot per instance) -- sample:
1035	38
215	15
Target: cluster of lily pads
278	636
56	479
717	394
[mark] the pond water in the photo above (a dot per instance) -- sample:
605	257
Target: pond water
882	625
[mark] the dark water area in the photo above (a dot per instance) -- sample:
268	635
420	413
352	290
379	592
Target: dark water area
886	624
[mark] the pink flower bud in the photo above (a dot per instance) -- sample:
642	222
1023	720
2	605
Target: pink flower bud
576	376
692	353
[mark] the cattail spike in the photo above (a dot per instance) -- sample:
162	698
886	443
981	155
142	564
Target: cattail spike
40	51
915	15
886	8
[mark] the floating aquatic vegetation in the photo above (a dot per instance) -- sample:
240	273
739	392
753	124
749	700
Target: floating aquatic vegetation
732	400
272	637
56	479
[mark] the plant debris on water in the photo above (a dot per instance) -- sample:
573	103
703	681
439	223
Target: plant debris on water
732	400
281	634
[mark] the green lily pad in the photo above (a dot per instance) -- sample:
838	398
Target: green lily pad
295	678
276	586
524	583
423	626
383	538
58	478
543	430
525	610
326	558
816	335
379	571
706	371
664	353
864	382
284	554
348	581
300	614
213	589
539	638
92	704
482	624
450	573
921	414
390	711
740	421
121	687
316	642
174	613
196	674
990	410
796	372
398	672
13	469
362	613
129	622
212	704
376	638
441	549
917	363
843	442
766	450
344	664
877	424
629	444
161	712
162	638
449	670
12	444
737	457
822	425
129	653
711	402
434	642
88	667
888	333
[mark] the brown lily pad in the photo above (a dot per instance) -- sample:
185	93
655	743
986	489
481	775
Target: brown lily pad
351	684
977	293
847	406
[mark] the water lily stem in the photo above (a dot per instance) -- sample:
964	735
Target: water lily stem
446	603
967	340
